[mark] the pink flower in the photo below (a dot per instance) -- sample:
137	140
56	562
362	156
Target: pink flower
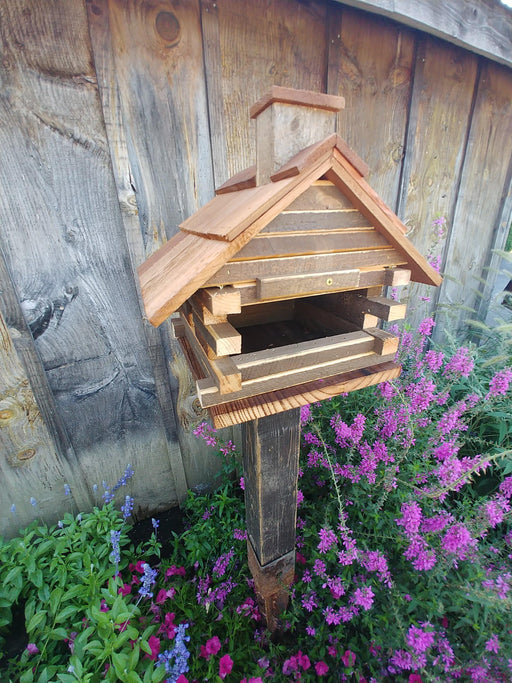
125	589
492	645
225	666
174	571
154	644
349	658
321	668
168	626
415	678
182	679
32	649
163	594
419	640
211	648
139	567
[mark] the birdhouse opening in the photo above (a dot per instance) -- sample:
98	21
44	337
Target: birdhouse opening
277	324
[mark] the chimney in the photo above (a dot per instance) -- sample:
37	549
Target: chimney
287	121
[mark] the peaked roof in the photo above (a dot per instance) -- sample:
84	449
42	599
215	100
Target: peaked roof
240	210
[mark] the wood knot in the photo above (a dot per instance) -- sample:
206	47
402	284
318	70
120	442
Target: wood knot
6	414
27	454
168	28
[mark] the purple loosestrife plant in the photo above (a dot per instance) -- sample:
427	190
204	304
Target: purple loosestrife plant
404	549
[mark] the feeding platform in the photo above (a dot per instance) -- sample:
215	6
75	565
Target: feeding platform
279	280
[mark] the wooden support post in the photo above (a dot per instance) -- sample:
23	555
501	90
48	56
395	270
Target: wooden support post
271	464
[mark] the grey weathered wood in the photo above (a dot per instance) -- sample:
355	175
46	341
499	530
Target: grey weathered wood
253	55
481	26
36	457
156	339
478	224
371	65
441	103
271	461
65	247
163	105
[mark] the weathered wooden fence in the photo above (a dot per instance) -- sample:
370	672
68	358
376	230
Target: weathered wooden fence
118	118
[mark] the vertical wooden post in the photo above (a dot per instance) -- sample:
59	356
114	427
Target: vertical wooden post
271	465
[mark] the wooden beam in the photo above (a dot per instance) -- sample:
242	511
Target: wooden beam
224	301
209	394
222	371
481	26
241	411
222	338
381	307
273	287
271	465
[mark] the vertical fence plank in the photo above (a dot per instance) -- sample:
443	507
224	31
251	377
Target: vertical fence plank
441	107
261	44
99	29
159	75
65	248
479	221
371	65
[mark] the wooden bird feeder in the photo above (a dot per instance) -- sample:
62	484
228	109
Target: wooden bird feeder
278	282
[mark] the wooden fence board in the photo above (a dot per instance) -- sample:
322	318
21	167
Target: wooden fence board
261	44
160	76
66	249
371	65
441	108
478	220
99	29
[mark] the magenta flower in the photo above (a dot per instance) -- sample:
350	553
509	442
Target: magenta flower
321	668
163	595
225	666
426	326
492	645
349	658
125	589
415	678
419	640
327	540
499	384
173	570
32	649
154	644
211	648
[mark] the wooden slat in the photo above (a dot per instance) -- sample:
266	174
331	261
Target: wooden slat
306	98
383	219
273	246
317	353
222	338
321	196
308	221
250	408
383	308
209	394
385	342
367	278
224	301
346	305
300	285
222	371
240	181
396	277
318	263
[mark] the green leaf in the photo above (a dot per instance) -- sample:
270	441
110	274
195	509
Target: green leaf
27	676
158	674
58	633
134	657
133	677
120	662
38	619
144	646
55	599
66	613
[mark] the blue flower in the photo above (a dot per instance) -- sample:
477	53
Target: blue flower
127	508
115	555
179	654
147	580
